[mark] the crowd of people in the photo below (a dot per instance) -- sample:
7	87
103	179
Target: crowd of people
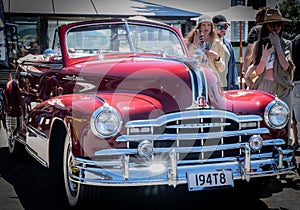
210	32
16	52
270	61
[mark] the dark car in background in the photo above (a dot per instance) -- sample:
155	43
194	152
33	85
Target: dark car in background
121	103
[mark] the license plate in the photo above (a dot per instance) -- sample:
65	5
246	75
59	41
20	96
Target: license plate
217	179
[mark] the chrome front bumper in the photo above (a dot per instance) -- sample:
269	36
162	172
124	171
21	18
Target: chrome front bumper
170	171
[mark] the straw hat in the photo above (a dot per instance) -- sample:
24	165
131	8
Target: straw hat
274	15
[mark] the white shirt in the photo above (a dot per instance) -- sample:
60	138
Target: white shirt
270	61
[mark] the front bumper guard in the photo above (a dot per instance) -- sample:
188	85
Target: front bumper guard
122	172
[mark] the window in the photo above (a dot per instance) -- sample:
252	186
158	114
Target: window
238	2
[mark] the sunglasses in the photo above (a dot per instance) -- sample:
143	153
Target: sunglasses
220	27
273	25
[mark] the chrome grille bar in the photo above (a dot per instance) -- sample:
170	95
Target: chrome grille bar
186	149
191	136
193	114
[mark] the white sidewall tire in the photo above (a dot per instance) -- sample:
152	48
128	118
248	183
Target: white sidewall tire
67	155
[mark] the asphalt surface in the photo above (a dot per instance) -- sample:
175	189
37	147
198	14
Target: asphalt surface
24	184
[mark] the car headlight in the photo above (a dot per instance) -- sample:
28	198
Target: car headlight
105	122
277	114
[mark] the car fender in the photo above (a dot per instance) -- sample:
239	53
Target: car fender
74	111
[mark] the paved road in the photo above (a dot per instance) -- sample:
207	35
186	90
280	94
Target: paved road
24	184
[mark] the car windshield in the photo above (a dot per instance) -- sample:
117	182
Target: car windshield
119	37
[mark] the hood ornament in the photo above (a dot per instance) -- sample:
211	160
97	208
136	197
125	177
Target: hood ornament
201	102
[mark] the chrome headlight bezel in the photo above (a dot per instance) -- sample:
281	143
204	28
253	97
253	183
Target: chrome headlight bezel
106	122
277	114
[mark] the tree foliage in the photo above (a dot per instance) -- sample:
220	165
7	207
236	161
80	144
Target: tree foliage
290	9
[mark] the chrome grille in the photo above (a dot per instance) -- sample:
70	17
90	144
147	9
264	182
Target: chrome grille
195	134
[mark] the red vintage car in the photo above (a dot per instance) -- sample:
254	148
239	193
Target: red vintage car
119	102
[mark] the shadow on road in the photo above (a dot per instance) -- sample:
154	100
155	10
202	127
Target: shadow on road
35	190
31	182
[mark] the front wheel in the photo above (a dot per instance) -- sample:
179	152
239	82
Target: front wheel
77	194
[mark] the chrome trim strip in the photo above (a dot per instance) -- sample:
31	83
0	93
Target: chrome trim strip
37	132
199	125
173	168
35	156
19	139
187	149
181	162
193	84
191	136
193	114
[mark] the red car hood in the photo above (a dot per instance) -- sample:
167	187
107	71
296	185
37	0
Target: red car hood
166	80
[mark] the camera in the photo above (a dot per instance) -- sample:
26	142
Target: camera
199	33
265	41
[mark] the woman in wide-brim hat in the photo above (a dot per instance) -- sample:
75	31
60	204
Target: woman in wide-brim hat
274	15
272	58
